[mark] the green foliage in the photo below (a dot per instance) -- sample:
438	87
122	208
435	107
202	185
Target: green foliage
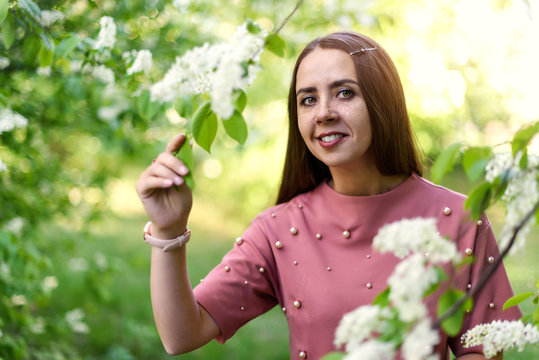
445	161
334	356
276	44
186	155
517	299
204	126
453	324
236	127
4	6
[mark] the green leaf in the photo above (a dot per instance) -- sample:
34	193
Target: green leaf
474	161
4	6
253	27
236	127
45	56
444	162
523	137
8	31
49	42
517	299
66	46
276	44
453	324
334	356
31	7
536	316
204	126
185	154
479	199
241	100
146	107
184	107
30	48
382	299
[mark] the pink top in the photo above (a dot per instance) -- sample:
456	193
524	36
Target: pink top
313	257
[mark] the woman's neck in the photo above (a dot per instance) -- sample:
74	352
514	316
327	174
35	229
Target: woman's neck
363	183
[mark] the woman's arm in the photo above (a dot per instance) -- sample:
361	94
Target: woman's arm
182	324
479	357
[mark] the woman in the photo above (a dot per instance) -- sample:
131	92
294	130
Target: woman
351	166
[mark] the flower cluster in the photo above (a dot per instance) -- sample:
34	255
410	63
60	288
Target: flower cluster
501	335
408	284
107	33
521	194
10	120
74	320
142	61
420	342
215	69
101	73
49	17
418	235
4	62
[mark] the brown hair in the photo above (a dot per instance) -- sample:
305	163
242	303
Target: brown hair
392	138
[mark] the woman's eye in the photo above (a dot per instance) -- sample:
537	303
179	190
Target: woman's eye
345	93
309	100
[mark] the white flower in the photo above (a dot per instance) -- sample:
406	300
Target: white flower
4	62
415	235
408	283
49	17
107	33
419	343
500	335
74	320
372	350
38	327
18	300
217	69
15	225
77	264
50	283
44	71
520	195
143	62
358	325
3	166
10	120
101	72
75	66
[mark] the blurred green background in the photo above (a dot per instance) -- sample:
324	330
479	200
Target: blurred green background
74	271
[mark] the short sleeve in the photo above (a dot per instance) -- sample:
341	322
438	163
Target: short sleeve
488	303
242	286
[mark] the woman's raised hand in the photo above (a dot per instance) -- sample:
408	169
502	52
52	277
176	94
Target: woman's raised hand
166	198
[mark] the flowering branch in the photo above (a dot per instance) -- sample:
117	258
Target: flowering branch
488	273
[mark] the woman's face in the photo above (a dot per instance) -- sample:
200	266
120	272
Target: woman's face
332	115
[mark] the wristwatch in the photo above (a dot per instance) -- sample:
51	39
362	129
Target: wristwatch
166	245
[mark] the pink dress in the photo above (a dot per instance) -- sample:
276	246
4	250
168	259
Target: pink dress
313	257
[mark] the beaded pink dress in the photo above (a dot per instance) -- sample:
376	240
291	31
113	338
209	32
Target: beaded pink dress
312	256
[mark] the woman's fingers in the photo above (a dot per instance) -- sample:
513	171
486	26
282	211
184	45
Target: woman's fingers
171	162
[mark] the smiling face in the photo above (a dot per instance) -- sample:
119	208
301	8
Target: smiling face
332	114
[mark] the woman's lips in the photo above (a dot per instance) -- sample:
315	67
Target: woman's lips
330	140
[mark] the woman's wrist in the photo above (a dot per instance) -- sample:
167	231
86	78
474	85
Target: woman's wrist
171	232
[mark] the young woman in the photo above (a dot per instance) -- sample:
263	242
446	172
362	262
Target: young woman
351	167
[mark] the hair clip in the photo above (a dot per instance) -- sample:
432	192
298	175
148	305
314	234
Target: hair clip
362	50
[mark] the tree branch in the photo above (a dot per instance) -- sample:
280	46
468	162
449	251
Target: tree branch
488	273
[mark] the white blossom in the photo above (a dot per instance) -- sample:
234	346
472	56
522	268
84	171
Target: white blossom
18	300
77	264
419	343
408	284
3	166
215	69
107	33
15	225
100	72
44	71
50	283
520	195
74	320
372	350
415	235
38	326
500	335
49	17
181	5
4	62
143	62
358	325
10	120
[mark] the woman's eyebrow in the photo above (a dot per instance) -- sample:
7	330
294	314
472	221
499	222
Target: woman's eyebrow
332	85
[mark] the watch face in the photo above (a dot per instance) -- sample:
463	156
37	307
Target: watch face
147	229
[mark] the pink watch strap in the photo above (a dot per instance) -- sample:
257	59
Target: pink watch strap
169	244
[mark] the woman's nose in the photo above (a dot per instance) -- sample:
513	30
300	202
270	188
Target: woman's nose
325	112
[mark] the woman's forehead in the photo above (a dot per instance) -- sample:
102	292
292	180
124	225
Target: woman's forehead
325	65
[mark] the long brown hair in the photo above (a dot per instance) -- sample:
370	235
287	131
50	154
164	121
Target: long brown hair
392	138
